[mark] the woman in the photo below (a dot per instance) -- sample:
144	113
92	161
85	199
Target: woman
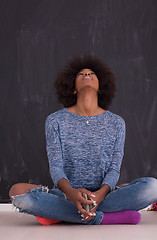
85	147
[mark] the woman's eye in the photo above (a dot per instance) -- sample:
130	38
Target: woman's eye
93	73
80	74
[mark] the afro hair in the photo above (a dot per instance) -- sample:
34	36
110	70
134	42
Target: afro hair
65	80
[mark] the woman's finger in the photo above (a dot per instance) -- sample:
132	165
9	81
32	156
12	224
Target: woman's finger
87	218
83	211
85	201
89	193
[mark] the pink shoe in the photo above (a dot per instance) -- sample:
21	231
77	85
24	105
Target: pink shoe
47	221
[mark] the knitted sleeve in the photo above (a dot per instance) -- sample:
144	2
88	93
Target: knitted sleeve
113	173
54	152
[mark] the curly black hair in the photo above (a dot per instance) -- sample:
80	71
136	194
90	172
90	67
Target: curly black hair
65	80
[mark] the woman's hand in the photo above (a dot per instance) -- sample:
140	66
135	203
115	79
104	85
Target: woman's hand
76	196
99	197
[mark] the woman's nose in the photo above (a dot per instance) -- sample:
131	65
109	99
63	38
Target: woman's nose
87	73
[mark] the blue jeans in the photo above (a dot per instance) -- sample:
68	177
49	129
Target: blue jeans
52	203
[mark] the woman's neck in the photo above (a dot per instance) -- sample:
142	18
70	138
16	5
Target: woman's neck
87	103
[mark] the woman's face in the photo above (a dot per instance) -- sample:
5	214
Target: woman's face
86	77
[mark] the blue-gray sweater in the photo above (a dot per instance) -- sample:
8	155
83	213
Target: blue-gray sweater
85	150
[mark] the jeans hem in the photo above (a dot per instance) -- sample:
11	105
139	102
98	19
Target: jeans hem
101	218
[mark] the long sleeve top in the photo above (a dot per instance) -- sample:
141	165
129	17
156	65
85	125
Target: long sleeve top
85	150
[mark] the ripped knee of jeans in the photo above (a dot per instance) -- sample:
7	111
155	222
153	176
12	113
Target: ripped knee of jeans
17	203
25	202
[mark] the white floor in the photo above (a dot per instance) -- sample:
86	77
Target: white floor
17	226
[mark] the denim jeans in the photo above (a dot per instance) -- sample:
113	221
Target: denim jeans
52	203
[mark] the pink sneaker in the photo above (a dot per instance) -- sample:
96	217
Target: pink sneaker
47	221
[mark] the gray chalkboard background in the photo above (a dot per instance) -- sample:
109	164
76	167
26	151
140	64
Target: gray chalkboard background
36	37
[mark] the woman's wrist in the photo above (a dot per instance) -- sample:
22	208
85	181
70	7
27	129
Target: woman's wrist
65	187
104	190
70	193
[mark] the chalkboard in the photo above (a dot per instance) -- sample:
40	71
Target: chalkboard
36	38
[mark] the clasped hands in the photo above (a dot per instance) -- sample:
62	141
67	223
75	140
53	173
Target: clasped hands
77	198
